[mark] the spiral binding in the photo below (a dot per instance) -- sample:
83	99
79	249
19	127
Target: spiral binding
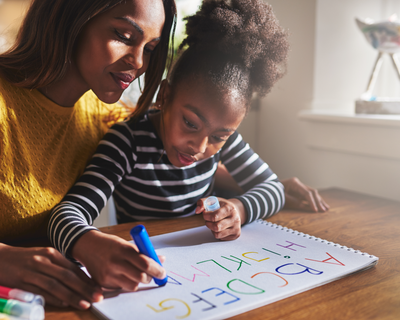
298	233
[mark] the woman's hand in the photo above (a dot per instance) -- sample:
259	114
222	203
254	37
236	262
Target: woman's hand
46	272
301	197
225	223
115	263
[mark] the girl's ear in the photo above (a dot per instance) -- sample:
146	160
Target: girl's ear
163	94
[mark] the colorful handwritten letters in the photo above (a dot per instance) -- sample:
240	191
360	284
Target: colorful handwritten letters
213	279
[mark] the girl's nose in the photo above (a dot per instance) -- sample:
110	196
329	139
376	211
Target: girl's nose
200	146
135	58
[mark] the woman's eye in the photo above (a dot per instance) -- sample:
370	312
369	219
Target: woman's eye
148	50
121	36
190	125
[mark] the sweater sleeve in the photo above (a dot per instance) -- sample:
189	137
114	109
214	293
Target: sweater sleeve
264	195
75	214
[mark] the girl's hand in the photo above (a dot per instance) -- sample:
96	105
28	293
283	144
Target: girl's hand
301	197
115	263
225	223
46	272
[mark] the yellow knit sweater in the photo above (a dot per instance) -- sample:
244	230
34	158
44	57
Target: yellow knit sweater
43	149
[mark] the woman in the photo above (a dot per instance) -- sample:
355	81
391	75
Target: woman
71	58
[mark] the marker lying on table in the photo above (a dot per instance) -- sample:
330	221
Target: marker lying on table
17	294
22	309
211	203
142	240
8	317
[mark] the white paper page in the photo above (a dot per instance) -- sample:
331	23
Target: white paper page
212	279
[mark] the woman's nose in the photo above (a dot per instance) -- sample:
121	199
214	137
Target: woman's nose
135	58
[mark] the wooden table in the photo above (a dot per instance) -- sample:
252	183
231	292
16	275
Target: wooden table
362	222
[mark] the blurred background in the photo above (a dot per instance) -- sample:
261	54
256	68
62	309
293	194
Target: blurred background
306	126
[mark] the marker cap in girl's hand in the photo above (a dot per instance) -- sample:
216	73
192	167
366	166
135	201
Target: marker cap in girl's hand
211	203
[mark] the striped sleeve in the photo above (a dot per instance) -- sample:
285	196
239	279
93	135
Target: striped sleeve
75	214
264	195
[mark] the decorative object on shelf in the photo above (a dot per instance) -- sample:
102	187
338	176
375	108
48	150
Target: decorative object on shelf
383	36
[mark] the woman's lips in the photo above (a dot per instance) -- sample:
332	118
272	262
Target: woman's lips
123	80
185	159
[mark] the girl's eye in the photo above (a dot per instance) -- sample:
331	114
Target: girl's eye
188	124
218	139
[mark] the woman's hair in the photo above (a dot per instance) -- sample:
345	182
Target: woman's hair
45	43
233	45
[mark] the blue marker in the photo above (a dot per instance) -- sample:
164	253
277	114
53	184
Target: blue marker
142	240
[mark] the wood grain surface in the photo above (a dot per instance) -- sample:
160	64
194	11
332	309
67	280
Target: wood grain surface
359	221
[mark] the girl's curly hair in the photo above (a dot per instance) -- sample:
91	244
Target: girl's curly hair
237	44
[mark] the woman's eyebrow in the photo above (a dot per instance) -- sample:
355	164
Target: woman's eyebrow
136	26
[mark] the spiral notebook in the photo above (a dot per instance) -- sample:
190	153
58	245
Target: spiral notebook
211	279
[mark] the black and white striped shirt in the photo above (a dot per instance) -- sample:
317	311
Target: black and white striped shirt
130	164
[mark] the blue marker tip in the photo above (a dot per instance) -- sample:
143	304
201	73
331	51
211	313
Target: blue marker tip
142	240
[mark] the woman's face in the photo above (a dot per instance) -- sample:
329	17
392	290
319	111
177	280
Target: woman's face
114	48
197	121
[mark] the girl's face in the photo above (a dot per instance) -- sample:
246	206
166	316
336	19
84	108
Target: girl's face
197	121
114	48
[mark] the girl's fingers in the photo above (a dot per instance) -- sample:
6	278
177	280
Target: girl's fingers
147	265
225	211
227	234
122	282
116	263
129	268
200	206
162	258
224	223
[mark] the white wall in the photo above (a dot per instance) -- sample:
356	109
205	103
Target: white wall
329	65
11	15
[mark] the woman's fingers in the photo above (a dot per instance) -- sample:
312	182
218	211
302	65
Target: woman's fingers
49	298
295	203
301	197
309	194
63	279
45	271
57	259
59	291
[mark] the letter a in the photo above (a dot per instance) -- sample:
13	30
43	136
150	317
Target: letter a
327	260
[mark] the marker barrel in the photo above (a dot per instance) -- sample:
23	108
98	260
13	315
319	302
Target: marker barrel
17	294
22	309
7	317
142	240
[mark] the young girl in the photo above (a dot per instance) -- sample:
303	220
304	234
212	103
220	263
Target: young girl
161	163
70	59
